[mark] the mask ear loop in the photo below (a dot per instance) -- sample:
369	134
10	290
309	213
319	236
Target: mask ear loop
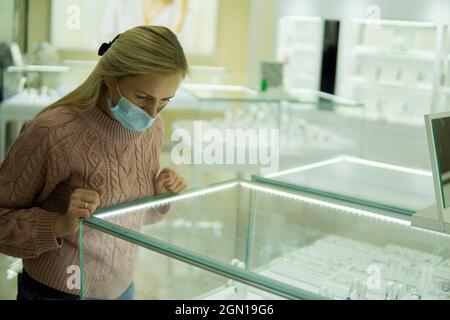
110	91
118	89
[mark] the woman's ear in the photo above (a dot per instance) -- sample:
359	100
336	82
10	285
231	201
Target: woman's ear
111	91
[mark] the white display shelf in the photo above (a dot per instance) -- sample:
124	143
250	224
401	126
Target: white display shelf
390	84
40	69
405	55
339	268
396	23
338	273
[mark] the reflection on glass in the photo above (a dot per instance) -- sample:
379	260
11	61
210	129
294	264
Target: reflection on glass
441	133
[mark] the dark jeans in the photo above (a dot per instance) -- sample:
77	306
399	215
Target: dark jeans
30	289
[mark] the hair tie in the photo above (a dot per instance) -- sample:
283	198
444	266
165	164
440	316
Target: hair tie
106	45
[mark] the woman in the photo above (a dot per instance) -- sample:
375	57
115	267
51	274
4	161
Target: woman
98	146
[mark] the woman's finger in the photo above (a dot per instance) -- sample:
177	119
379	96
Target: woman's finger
173	182
80	213
87	197
183	186
166	173
178	185
163	179
82	205
165	170
93	201
160	183
91	192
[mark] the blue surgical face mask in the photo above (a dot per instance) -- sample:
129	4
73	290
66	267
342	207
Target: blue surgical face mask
130	115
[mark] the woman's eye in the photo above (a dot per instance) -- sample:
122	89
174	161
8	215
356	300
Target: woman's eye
144	98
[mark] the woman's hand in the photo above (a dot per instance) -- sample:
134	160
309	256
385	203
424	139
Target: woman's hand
83	202
169	181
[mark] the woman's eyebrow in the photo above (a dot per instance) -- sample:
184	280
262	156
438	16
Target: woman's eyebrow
153	96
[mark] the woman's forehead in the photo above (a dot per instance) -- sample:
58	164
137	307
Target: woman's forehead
164	85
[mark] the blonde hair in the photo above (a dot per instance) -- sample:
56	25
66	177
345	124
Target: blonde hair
140	50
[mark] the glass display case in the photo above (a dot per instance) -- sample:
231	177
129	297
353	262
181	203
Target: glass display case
249	240
213	95
369	183
247	108
9	268
301	118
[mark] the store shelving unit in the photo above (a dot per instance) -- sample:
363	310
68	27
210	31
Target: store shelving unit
300	48
390	66
395	68
28	89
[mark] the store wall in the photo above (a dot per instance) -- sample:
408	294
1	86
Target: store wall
6	20
262	37
38	22
232	37
232	41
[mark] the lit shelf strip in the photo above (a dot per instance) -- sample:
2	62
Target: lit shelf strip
354	160
326	204
389	166
158	203
307	167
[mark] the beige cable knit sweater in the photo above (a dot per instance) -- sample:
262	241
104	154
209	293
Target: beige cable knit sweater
55	153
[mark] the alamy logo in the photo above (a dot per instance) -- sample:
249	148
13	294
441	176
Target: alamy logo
211	146
74	279
373	13
374	280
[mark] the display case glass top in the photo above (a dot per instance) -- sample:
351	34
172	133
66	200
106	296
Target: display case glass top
227	93
376	184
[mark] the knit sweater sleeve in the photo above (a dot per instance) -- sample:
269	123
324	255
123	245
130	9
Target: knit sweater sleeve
30	171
